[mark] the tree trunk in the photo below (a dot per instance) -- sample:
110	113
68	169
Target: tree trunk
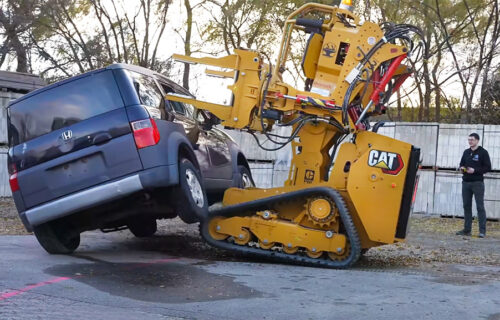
187	42
21	55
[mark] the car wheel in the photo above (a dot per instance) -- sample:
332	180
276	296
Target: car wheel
246	180
189	197
55	239
142	228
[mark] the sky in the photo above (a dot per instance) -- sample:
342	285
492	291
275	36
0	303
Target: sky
204	86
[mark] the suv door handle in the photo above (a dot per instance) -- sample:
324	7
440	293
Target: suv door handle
101	138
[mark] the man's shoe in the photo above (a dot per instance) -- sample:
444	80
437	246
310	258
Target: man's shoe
463	233
482	235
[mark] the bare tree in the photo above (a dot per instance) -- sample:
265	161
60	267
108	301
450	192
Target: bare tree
16	19
483	45
122	34
187	36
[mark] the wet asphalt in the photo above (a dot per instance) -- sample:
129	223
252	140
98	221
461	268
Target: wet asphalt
113	276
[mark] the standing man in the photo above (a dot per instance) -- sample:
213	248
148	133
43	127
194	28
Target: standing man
475	162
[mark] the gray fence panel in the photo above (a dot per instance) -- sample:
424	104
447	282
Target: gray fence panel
389	129
491	142
262	174
5	98
421	135
4	175
448	194
254	152
279	177
424	199
491	196
452	142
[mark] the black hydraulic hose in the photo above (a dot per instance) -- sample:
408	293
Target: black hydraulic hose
332	155
281	144
398	32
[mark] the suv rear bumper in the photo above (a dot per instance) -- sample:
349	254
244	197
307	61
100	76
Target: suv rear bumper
162	176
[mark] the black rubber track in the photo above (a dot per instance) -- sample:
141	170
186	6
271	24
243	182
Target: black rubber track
249	208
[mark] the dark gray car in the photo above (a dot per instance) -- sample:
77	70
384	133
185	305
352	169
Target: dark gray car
105	150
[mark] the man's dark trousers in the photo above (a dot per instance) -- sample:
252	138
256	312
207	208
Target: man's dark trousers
475	188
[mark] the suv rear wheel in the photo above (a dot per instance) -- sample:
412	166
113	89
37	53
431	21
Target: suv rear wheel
143	227
189	197
56	239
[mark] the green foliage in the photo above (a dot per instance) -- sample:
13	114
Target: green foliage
60	38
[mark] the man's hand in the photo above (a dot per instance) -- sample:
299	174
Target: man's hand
470	170
463	169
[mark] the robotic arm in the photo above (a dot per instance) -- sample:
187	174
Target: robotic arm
347	65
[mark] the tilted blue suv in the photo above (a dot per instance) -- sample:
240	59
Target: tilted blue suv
105	150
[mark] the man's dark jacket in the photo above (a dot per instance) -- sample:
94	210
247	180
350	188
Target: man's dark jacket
479	160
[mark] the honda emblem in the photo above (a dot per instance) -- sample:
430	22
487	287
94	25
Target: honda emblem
66	135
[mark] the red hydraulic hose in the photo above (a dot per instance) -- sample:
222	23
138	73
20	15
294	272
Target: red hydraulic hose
375	97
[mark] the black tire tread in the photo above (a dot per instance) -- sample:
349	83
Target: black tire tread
242	169
53	242
181	201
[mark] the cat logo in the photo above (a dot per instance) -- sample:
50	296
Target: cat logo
309	176
390	163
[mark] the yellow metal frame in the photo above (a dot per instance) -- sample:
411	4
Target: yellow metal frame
373	197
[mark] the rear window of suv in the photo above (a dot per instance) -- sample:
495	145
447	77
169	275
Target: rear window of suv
63	106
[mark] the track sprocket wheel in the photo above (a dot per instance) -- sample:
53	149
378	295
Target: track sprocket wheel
321	211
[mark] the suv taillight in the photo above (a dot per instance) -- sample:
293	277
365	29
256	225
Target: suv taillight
146	133
14	185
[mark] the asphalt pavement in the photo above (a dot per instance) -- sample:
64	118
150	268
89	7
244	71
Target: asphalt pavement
112	276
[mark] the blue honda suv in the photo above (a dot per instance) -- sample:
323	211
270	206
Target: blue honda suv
105	150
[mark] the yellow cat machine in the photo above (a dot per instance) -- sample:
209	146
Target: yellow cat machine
340	199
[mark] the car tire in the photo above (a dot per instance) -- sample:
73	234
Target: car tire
189	196
55	239
142	228
246	180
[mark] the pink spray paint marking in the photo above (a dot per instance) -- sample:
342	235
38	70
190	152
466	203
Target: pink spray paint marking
10	294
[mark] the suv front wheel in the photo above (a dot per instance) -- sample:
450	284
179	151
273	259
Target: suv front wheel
189	197
56	239
246	180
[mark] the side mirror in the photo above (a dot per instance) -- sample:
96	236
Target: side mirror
169	116
205	119
169	112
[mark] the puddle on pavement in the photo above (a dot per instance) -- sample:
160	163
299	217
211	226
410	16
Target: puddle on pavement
467	275
170	282
495	316
459	280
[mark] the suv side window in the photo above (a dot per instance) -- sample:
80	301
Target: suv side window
178	107
186	110
189	109
148	92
